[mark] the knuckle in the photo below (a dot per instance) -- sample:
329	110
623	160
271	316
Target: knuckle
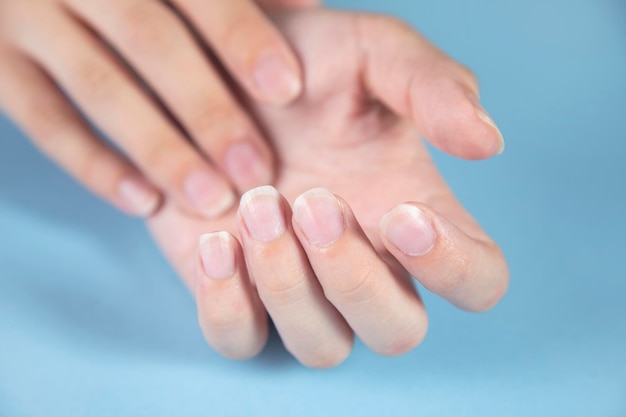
225	319
96	81
166	158
87	166
46	122
246	36
212	118
94	169
234	29
283	290
327	358
457	278
146	26
406	341
156	153
467	75
359	288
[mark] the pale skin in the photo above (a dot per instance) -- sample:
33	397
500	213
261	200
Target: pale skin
101	53
328	263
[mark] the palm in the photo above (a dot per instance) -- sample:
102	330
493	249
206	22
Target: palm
335	137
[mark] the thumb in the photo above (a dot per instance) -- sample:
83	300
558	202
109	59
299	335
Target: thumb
415	79
469	272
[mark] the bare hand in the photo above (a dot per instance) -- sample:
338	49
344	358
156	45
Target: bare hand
91	51
329	267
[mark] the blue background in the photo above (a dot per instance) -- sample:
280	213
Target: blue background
94	323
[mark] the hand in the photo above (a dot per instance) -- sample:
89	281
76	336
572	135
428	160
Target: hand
53	49
333	267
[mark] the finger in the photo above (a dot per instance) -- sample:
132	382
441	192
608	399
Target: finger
230	313
112	99
270	5
380	305
249	45
417	80
311	328
157	44
32	100
469	272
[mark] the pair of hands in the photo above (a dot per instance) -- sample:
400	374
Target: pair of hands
322	266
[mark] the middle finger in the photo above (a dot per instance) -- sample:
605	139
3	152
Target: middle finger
379	303
311	328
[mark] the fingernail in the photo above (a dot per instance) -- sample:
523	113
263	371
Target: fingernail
320	216
484	116
217	255
245	166
278	82
139	196
409	230
262	213
208	193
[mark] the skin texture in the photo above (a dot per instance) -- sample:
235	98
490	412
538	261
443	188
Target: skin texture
371	84
185	137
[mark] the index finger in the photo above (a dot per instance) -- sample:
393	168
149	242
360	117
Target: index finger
249	45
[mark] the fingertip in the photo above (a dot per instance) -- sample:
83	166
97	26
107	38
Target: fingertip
484	116
409	340
230	315
320	216
277	78
409	230
262	215
207	193
138	197
494	293
471	273
415	79
217	255
330	357
452	119
249	164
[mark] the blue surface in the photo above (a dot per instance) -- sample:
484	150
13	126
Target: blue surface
94	323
